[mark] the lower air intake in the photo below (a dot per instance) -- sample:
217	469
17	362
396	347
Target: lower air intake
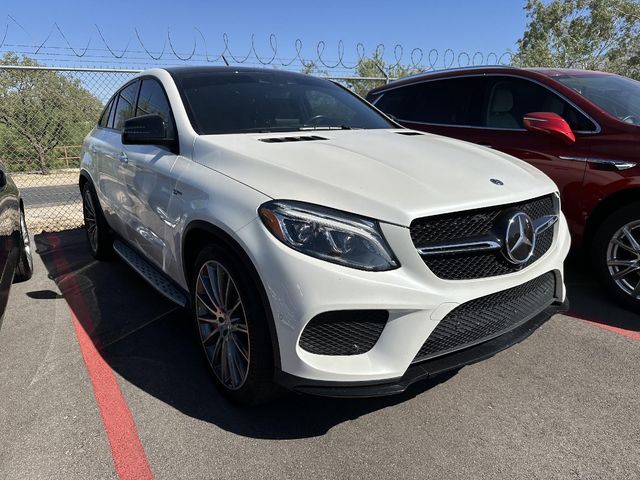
345	332
488	317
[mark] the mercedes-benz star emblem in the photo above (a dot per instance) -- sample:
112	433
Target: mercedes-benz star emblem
520	238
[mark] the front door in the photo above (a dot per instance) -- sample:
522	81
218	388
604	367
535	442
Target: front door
507	100
148	178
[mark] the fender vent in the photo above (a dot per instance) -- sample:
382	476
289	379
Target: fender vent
305	138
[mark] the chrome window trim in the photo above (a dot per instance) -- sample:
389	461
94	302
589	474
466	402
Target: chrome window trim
473	75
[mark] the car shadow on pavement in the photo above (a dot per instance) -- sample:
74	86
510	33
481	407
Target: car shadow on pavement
150	343
589	299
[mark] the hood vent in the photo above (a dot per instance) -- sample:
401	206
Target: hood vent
305	138
410	133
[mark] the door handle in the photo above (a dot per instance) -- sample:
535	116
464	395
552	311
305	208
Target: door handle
123	158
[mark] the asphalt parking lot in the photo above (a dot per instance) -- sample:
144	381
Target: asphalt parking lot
562	404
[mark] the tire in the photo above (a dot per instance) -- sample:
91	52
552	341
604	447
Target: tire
221	326
98	233
24	268
616	255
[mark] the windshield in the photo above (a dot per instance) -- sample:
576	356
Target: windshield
618	96
242	102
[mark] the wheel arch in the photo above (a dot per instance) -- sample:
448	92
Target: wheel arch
605	207
199	233
84	178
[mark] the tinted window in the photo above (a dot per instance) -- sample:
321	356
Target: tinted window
126	105
245	101
112	113
455	101
509	99
618	96
104	118
152	100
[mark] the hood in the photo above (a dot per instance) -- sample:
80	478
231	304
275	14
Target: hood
381	174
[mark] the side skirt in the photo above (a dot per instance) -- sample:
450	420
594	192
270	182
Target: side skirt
151	274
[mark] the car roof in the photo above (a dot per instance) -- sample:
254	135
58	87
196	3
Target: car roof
182	72
536	72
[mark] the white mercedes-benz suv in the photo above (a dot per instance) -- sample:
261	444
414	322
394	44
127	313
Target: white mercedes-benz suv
316	244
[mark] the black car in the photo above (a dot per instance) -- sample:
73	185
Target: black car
16	262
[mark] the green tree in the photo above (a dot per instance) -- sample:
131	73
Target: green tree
41	109
590	34
312	68
375	67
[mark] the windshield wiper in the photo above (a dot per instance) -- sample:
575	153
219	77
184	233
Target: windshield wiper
324	127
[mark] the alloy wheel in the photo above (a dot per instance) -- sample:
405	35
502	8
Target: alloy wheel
90	220
623	258
222	324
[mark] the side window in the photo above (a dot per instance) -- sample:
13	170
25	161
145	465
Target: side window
153	100
509	99
125	109
104	118
453	101
112	114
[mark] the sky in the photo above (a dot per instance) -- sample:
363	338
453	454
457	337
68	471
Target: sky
459	25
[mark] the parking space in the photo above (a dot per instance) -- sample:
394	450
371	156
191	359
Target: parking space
103	379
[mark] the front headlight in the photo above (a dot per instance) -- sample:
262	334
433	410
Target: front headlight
330	235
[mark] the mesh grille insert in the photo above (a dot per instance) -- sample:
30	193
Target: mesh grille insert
488	317
345	332
460	225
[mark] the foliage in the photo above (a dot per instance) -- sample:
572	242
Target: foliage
590	34
41	110
375	66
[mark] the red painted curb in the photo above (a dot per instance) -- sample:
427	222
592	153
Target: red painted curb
129	457
620	331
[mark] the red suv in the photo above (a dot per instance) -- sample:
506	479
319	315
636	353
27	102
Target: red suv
581	128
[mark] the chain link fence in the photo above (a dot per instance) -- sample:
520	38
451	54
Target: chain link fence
52	91
45	113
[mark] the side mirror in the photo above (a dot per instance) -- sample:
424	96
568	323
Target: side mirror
146	130
550	124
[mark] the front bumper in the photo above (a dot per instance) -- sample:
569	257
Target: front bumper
424	370
300	288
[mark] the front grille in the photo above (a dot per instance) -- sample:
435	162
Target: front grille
345	332
487	317
461	225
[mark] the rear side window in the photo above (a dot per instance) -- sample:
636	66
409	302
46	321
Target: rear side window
509	99
153	100
454	101
104	118
125	109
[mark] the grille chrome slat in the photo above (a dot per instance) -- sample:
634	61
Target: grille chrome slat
488	317
462	245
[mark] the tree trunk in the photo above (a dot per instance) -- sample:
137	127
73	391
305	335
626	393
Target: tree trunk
42	161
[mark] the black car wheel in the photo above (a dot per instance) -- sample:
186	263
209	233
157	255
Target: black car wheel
98	233
232	327
24	269
616	254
